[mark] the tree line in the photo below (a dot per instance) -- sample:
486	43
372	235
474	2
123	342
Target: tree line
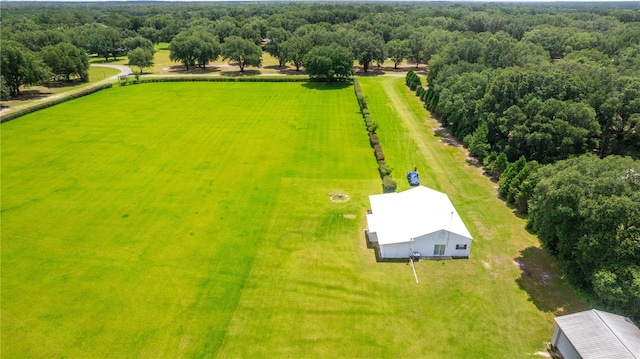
366	33
553	113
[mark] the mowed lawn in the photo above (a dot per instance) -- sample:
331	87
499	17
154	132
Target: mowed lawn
131	218
194	220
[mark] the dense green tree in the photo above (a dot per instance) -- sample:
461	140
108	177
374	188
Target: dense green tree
131	43
20	66
295	49
194	46
36	40
366	47
150	34
517	183
586	212
628	60
183	48
417	41
477	141
550	38
208	48
397	50
330	63
166	26
500	51
66	60
495	164
247	31
437	40
242	51
577	40
276	39
140	57
4	89
102	40
224	28
469	50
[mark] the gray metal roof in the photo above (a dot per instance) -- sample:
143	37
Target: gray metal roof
598	334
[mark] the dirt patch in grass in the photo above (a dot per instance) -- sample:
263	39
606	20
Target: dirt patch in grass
338	197
446	137
541	280
349	215
535	272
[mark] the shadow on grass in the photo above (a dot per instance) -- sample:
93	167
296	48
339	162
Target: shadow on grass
194	70
100	60
34	94
446	137
238	73
286	70
326	85
541	279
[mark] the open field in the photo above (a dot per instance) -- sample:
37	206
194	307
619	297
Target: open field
131	218
194	220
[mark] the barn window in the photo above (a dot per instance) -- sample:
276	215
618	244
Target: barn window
461	246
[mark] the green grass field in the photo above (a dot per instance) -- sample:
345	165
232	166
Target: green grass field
194	220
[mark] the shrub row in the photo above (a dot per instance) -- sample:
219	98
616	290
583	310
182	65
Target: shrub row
413	81
40	106
388	184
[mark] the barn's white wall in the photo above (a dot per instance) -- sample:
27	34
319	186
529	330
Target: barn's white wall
425	246
564	346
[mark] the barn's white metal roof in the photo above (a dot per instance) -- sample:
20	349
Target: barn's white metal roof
598	334
400	217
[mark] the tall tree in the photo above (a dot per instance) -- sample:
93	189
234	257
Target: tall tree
102	40
65	60
397	50
183	48
242	51
295	49
131	43
366	47
140	57
329	63
276	38
417	41
20	66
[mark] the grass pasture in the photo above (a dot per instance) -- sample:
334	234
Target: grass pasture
194	220
131	218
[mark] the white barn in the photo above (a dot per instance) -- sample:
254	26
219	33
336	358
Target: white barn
596	334
419	220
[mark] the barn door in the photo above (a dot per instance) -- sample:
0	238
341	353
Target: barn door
438	249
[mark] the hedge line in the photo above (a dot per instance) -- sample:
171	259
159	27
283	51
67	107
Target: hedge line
413	81
43	105
388	184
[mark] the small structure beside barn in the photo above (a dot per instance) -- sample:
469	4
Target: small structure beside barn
419	222
596	334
